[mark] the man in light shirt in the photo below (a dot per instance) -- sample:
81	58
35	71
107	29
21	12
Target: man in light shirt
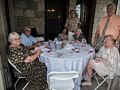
113	26
27	40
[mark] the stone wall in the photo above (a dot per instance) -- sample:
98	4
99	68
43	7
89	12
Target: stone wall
71	6
30	13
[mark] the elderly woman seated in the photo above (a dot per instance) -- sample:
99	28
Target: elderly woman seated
107	60
63	36
78	35
27	62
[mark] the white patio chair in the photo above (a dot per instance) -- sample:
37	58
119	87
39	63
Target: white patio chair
62	80
104	78
19	77
39	38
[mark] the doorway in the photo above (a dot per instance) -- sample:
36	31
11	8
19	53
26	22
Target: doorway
55	15
87	13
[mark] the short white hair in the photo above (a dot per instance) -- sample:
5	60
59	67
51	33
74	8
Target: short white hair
111	5
12	35
26	28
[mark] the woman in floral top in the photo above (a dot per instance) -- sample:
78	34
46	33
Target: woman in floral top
72	23
27	62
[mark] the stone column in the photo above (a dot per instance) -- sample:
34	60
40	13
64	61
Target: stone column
11	15
41	14
72	4
2	45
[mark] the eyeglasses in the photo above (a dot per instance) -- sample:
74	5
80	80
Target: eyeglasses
16	39
28	30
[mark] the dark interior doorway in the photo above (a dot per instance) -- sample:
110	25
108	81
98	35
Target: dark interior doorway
87	14
55	16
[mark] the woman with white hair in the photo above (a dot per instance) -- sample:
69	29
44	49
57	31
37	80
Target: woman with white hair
78	35
107	60
27	62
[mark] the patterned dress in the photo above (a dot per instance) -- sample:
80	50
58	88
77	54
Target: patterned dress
35	71
72	24
110	63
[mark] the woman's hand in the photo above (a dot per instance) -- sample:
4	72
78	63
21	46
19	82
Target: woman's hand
37	44
28	59
33	57
39	51
98	59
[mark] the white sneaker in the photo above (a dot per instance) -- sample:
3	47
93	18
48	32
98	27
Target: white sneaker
86	83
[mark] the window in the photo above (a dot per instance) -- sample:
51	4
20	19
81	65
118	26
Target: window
78	10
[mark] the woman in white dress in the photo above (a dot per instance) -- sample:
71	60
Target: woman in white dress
107	60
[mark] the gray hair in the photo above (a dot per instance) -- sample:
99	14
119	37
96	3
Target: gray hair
111	37
72	11
12	35
26	27
111	5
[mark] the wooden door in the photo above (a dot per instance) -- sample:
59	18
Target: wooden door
54	17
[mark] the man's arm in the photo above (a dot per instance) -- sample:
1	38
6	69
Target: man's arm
33	57
96	37
118	38
66	24
37	44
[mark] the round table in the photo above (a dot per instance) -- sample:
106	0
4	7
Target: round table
69	59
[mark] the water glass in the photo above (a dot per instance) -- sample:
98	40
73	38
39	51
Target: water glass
49	44
53	46
117	45
84	41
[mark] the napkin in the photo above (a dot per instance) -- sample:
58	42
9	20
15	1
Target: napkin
45	49
69	46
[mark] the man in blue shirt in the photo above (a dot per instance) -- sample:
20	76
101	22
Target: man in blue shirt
27	40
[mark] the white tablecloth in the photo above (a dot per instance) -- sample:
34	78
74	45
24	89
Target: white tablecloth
68	60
